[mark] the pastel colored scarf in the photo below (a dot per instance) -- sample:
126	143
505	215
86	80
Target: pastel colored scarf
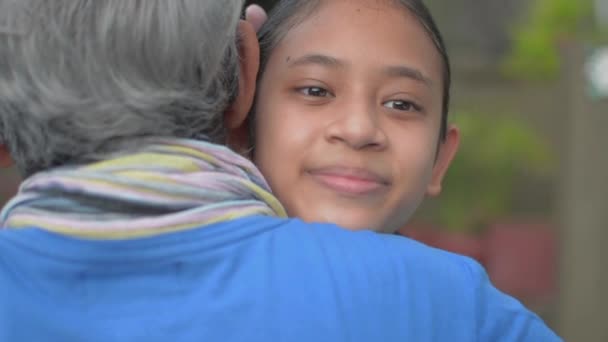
167	186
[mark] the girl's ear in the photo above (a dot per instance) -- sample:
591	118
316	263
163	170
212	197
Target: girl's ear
447	151
5	157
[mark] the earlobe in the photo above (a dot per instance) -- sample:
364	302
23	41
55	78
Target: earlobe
249	63
446	154
239	140
5	158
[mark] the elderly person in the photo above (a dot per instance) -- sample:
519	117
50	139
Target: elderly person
136	223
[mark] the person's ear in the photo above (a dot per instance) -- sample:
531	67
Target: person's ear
5	157
445	155
249	63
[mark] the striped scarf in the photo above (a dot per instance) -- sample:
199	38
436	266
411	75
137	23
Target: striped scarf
170	185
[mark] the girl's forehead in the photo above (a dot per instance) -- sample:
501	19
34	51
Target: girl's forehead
359	20
359	30
359	8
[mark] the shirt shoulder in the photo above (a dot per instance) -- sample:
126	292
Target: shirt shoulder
438	287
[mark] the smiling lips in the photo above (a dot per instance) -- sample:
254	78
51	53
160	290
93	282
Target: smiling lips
350	181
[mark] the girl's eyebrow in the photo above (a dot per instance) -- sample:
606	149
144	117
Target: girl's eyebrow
397	71
409	73
318	59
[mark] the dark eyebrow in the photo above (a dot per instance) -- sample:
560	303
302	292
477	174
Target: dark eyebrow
408	72
332	62
318	59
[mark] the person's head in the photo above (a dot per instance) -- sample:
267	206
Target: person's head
80	80
351	112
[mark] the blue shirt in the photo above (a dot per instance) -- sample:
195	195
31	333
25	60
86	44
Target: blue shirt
253	279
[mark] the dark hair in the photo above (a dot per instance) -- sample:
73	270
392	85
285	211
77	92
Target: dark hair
289	13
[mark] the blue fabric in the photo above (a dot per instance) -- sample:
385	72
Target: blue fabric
254	279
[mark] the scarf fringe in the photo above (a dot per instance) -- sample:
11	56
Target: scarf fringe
168	186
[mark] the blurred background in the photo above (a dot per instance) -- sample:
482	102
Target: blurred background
527	193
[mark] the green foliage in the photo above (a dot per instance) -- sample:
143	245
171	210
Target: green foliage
535	51
495	151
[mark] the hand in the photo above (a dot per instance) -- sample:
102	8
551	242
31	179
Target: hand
256	16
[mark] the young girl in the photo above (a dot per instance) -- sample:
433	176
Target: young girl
350	121
133	228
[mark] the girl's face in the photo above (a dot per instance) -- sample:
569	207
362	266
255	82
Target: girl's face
348	116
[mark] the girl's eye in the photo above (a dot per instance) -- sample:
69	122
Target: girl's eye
314	91
402	105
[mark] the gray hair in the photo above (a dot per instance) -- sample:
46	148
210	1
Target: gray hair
289	13
80	79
